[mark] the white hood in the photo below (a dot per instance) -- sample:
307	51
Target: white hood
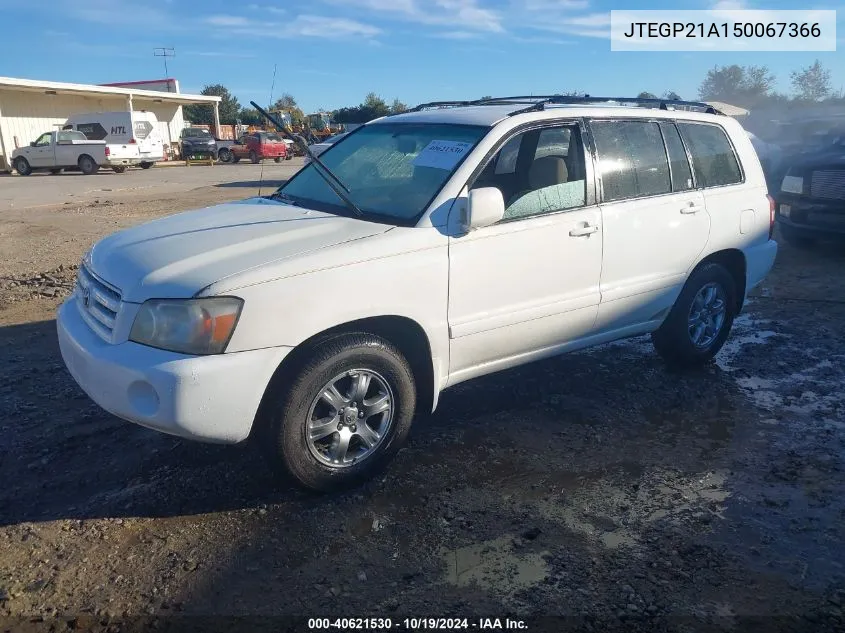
177	256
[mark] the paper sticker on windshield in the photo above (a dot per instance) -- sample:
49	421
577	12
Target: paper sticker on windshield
442	154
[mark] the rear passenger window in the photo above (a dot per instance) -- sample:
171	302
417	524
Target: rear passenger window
632	159
713	157
681	174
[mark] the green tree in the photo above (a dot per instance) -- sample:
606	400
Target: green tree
672	95
250	116
371	108
812	83
397	107
376	105
739	85
229	107
646	95
486	97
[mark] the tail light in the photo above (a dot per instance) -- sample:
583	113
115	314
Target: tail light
108	151
771	216
132	140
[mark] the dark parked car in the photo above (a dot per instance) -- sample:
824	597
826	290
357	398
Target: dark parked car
811	200
197	141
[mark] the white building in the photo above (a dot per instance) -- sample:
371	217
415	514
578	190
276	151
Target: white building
30	107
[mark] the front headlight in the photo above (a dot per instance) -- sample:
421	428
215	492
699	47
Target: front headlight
189	326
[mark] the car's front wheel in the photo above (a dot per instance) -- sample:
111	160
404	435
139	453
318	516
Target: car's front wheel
701	319
225	155
22	166
345	414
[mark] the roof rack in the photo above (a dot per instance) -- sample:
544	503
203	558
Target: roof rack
539	102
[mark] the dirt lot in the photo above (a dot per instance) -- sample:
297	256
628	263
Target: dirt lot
597	485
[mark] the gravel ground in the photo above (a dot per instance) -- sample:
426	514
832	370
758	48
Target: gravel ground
599	485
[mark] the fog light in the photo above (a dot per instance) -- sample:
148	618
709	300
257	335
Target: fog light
143	398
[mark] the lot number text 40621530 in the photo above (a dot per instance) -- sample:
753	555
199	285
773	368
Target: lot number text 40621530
416	624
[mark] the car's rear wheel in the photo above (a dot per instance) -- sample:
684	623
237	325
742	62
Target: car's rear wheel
87	165
701	319
145	165
225	155
253	156
797	237
22	166
346	413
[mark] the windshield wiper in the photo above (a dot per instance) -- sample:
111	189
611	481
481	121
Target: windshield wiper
332	181
278	195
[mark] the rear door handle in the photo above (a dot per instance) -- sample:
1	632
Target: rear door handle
691	209
583	231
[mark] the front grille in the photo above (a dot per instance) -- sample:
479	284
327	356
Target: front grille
829	184
98	303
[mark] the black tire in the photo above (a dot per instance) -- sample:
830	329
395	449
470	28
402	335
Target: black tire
87	165
290	406
797	237
119	169
674	341
254	157
56	171
225	155
22	166
145	165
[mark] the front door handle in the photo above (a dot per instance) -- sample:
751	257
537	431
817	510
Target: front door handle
583	231
691	209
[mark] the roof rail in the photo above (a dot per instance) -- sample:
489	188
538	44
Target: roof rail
539	102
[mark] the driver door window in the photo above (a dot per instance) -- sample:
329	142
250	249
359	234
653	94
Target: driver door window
43	140
539	172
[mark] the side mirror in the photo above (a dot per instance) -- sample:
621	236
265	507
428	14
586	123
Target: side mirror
32	144
485	206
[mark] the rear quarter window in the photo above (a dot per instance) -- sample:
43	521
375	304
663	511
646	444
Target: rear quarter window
713	158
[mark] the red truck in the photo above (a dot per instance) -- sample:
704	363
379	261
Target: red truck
256	147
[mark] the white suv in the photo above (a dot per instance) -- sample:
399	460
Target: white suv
422	250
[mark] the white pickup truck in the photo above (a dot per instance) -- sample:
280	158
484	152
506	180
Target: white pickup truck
59	150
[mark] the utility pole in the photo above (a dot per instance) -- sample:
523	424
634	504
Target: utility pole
165	53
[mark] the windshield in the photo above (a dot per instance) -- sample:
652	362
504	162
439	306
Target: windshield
392	170
196	132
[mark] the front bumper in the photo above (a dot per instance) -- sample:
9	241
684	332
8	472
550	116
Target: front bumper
206	398
199	150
